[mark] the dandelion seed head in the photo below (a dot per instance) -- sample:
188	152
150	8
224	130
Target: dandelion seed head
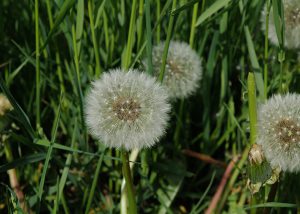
279	134
292	24
183	70
127	109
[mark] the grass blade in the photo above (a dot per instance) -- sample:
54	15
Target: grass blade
48	156
22	117
215	7
95	180
149	37
271	204
255	65
23	161
67	5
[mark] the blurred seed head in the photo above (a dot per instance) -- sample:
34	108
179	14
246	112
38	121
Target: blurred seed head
183	68
127	109
292	24
279	131
5	105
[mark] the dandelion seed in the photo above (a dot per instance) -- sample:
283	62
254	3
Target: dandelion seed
135	117
292	24
279	135
183	68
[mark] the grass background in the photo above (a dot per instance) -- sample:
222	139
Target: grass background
50	52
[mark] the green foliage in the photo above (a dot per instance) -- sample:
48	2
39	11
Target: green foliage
61	169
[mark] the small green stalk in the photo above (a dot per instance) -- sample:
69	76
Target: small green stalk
166	48
233	178
57	55
149	38
266	53
94	183
252	107
128	53
98	70
37	65
140	24
158	21
128	183
77	80
179	123
194	19
281	58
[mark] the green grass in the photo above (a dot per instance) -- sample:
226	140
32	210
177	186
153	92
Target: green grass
52	50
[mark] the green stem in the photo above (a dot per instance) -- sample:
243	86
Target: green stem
94	183
37	65
167	43
57	56
128	183
266	54
252	107
179	123
158	21
180	113
149	38
281	58
202	6
77	80
271	197
233	178
140	24
194	19
95	44
130	35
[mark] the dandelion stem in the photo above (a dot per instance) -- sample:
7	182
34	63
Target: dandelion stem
166	48
128	183
252	107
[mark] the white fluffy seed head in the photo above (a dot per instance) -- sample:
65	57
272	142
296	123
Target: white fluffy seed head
183	68
127	110
292	24
278	131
